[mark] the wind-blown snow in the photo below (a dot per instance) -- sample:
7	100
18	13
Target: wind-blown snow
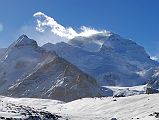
156	58
44	22
55	27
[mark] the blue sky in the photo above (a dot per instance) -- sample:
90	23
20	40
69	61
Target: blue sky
134	19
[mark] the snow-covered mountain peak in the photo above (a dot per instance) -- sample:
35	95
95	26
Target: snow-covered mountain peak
107	40
92	43
24	41
23	45
108	57
110	42
125	47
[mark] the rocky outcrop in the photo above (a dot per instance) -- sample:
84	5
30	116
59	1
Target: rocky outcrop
153	83
151	90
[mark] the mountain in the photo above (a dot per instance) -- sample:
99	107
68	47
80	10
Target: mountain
19	58
2	51
110	58
27	70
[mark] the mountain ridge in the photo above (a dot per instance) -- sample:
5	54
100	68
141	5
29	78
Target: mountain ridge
113	56
25	68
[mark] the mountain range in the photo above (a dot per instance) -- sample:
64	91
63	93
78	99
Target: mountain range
111	59
82	67
27	70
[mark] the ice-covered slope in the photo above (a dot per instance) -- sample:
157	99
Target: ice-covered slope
111	59
142	107
27	70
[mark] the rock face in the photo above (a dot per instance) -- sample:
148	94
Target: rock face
108	57
27	70
153	83
151	90
56	79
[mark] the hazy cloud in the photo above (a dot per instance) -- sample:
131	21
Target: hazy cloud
41	37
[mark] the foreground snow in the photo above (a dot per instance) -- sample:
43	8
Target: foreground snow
125	108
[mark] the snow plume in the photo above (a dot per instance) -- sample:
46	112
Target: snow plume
87	31
40	37
44	22
156	58
50	31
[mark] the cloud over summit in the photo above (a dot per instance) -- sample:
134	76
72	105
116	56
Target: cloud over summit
44	22
47	30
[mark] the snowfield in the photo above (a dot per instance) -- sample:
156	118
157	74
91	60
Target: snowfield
142	107
127	91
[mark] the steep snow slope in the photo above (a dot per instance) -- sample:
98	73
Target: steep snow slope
111	59
142	107
20	57
27	70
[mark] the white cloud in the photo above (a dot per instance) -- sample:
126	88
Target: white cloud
44	22
156	58
49	30
41	37
87	31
